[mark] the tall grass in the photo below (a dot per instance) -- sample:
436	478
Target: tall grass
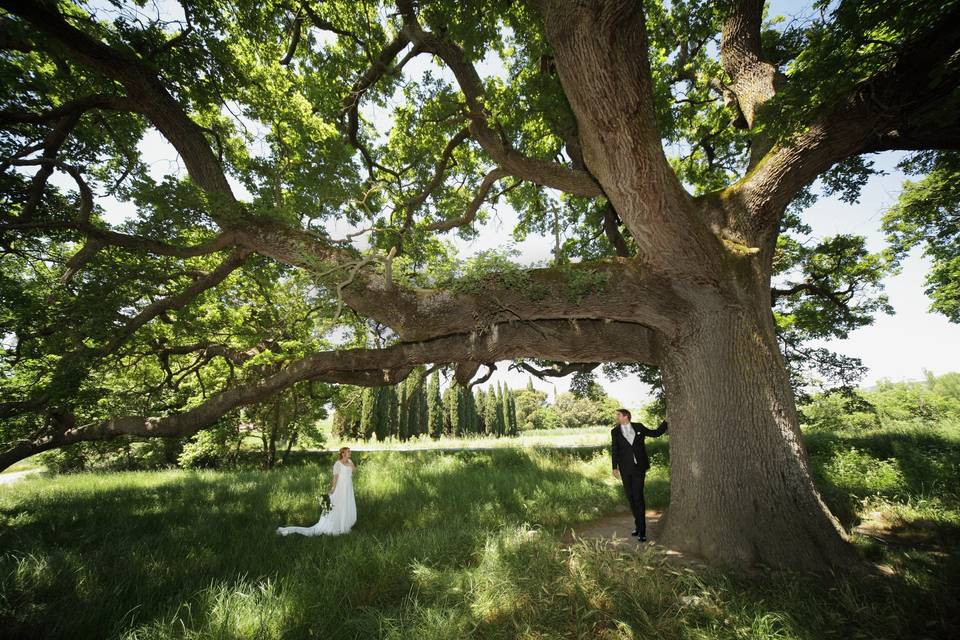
184	554
453	545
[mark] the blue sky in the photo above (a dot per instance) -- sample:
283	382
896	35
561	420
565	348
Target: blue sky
897	347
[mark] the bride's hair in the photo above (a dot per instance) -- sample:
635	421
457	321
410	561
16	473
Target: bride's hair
340	455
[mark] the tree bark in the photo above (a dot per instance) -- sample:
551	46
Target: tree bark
741	492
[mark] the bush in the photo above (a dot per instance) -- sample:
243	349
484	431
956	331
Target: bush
544	418
934	399
577	412
839	411
72	459
122	454
216	447
527	402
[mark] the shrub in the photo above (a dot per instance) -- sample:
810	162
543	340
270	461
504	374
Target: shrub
122	454
545	418
216	447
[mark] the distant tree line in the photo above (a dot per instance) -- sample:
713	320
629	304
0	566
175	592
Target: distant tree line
417	407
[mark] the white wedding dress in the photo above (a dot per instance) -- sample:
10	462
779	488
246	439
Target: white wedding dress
343	508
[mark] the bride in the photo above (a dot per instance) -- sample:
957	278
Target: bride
343	511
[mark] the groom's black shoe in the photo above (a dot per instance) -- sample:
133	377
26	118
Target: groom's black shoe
642	538
635	532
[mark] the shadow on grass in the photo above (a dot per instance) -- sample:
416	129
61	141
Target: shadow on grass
894	465
140	550
446	545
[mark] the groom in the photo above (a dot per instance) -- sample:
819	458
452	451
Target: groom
630	464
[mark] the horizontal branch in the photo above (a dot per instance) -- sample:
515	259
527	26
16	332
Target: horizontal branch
559	371
619	290
945	137
592	340
814	289
71	107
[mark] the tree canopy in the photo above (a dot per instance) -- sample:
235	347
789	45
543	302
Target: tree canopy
668	150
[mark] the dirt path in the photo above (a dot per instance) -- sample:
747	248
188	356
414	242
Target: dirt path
614	531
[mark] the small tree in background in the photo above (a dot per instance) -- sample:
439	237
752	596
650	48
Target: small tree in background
434	407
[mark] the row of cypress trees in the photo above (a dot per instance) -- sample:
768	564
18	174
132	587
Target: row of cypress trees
416	406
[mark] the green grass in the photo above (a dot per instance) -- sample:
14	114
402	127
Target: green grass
453	545
24	465
580	437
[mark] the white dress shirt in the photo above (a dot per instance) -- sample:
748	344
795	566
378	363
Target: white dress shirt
629	433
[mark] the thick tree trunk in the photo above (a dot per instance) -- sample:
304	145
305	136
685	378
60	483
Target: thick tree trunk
740	485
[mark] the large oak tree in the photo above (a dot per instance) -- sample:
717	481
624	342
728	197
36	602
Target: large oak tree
676	253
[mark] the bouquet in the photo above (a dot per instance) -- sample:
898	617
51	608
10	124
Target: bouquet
325	505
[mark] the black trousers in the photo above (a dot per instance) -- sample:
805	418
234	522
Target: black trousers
633	487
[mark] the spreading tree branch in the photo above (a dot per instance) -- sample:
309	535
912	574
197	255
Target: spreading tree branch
540	172
617	128
559	370
72	367
414	202
869	117
614	341
471	211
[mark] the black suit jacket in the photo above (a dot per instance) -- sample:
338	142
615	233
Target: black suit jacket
623	454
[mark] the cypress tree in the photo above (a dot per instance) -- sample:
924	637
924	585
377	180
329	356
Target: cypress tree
381	411
505	406
367	412
346	416
390	428
456	415
480	406
415	395
471	411
498	411
423	426
411	396
447	410
434	407
501	410
403	411
338	430
456	409
512	410
490	411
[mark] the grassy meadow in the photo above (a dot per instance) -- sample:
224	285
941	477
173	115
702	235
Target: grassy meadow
562	437
464	544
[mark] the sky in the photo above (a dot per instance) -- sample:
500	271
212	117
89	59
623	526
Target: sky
898	347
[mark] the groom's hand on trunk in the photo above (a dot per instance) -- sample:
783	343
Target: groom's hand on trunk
616	473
